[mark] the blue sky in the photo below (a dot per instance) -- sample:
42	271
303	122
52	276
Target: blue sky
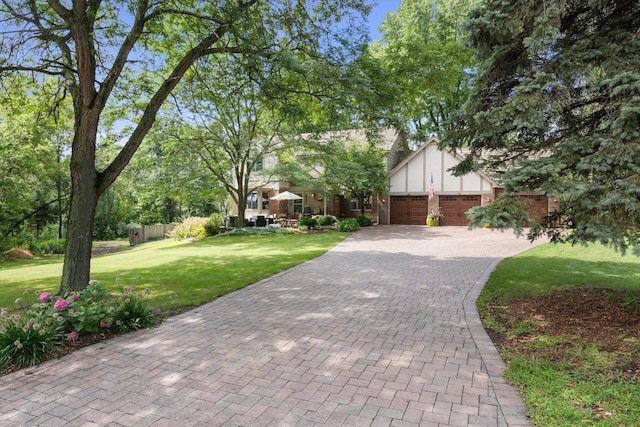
379	11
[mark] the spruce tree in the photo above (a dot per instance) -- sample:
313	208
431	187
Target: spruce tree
556	109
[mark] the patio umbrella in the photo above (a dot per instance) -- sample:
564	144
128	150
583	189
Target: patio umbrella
286	195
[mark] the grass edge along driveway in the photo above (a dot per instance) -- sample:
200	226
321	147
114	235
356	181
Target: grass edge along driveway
567	382
180	274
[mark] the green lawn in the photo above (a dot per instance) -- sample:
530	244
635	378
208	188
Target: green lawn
179	274
550	267
565	382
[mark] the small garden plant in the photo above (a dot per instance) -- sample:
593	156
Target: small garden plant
33	332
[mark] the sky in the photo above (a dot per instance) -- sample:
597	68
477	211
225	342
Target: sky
378	13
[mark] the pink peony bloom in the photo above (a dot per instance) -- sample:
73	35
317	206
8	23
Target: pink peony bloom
74	297
44	297
73	335
61	304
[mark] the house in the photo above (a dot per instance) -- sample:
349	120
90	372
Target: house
315	200
411	181
419	181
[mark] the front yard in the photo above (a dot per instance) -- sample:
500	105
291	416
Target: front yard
567	323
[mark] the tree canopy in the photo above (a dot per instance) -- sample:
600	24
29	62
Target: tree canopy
130	55
555	109
423	66
354	171
33	184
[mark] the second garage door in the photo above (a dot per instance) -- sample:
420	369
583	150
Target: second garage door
454	208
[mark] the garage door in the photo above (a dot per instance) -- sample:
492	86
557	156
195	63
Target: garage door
537	205
454	208
409	210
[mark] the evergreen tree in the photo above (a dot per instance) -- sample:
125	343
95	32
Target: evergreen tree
556	109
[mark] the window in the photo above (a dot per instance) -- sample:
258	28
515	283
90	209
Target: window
367	203
470	198
252	200
265	201
448	198
355	205
297	206
257	167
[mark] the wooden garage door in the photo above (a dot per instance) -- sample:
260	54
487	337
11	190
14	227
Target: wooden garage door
537	205
454	208
409	210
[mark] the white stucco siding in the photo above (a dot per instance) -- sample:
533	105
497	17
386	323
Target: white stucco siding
450	182
416	175
398	181
473	182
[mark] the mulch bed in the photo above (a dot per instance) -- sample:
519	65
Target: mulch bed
605	317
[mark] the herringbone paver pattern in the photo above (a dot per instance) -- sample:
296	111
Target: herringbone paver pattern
380	331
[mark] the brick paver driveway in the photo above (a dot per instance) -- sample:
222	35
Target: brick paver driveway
380	331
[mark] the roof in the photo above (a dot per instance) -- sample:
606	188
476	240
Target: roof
384	138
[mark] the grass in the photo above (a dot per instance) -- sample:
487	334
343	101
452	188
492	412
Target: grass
547	268
564	382
179	273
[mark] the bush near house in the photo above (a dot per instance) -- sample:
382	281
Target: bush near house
326	220
364	221
348	225
309	222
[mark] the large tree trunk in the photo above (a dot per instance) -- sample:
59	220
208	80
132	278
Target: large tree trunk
77	259
84	199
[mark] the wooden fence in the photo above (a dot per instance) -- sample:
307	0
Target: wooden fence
149	232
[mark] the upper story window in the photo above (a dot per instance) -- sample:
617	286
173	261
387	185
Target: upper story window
257	167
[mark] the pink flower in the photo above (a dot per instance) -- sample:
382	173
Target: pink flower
44	297
92	282
73	335
74	297
61	304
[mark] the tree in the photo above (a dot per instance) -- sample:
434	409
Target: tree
556	109
426	66
33	140
135	53
354	171
235	124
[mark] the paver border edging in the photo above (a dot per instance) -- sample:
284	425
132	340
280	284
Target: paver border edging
510	403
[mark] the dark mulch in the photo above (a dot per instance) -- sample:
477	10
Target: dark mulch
608	318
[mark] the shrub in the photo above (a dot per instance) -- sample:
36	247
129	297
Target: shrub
32	334
191	228
252	231
48	247
364	221
326	220
348	225
132	311
214	224
309	221
27	341
88	310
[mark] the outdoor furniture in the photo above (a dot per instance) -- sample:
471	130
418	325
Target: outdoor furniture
261	221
